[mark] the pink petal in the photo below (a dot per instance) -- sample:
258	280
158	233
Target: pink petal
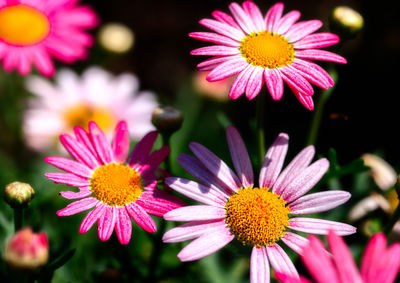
152	162
321	55
142	149
227	69
343	259
43	63
317	40
216	50
206	244
211	63
240	157
319	226
305	180
313	74
158	203
302	29
242	18
69	166
192	230
78	206
224	29
273	16
318	202
216	166
195	213
197	191
389	265
375	249
79	151
280	261
215	38
255	15
295	242
67	178
76	195
304	98
120	143
239	84
106	223
225	18
83	138
295	80
259	266
141	217
295	167
100	143
286	22
273	161
92	217
255	83
274	82
123	226
282	277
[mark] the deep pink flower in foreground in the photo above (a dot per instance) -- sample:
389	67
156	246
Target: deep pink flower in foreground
379	264
269	49
117	189
33	31
258	216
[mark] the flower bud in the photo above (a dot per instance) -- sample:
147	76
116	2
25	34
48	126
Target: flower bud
27	250
116	38
383	174
346	22
18	194
167	119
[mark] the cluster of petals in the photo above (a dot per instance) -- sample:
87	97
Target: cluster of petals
230	31
92	150
206	222
379	264
46	116
66	38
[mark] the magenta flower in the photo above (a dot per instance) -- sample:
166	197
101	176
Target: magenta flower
379	264
266	49
117	189
33	31
258	216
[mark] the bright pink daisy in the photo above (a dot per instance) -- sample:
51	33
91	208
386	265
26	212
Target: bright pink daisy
266	49
258	216
33	31
117	189
379	264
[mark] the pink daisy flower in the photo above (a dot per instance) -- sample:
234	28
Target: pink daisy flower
74	100
379	264
269	49
258	216
33	31
117	189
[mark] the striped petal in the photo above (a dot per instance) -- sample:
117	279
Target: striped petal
255	15
321	55
100	143
67	178
158	203
292	77
273	16
76	195
317	40
79	151
215	50
227	69
223	28
242	18
78	206
239	84
319	226
280	261
295	242
120	143
259	266
195	213
287	21
225	18
142	149
123	226
211	63
106	223
302	29
274	82
92	217
214	38
69	165
313	73
141	217
318	202
255	83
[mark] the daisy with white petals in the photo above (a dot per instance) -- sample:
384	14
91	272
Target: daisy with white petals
269	49
258	216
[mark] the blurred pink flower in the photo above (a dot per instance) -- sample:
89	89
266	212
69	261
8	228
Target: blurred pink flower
379	264
256	216
33	31
75	101
116	188
266	49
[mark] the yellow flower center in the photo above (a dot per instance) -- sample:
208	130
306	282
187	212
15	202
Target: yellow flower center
267	50
116	184
81	115
256	216
23	25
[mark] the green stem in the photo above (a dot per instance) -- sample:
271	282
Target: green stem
393	220
168	162
18	218
319	109
156	253
260	127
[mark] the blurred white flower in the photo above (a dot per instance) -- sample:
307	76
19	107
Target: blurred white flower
116	38
383	174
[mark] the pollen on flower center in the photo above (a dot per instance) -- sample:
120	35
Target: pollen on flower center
267	50
116	184
23	25
256	216
81	115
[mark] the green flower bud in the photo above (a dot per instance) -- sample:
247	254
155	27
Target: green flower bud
167	119
18	194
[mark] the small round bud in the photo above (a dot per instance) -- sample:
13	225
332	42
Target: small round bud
116	38
27	250
346	22
18	194
167	119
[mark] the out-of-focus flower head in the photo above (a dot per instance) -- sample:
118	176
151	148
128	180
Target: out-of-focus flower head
18	194
34	31
346	21
269	49
379	264
27	250
75	101
217	91
116	186
383	174
233	207
116	38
